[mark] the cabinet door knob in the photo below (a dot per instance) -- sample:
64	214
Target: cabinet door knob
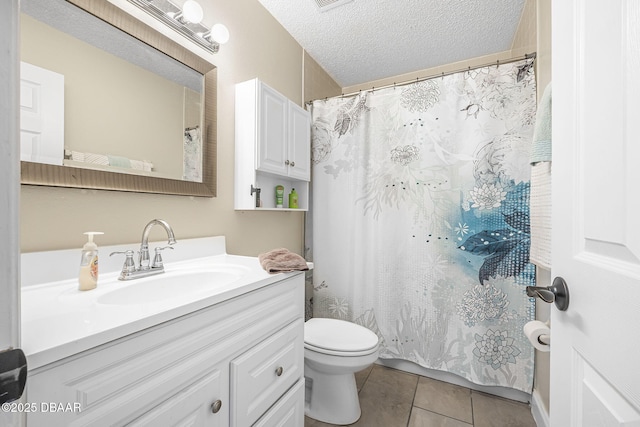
215	406
279	370
293	164
286	162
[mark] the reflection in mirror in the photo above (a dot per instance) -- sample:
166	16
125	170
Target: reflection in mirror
122	106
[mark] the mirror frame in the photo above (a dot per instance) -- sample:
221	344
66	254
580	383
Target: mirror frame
68	176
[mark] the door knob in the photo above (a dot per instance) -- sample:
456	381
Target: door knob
557	293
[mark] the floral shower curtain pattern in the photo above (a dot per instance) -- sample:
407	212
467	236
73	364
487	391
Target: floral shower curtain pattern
421	220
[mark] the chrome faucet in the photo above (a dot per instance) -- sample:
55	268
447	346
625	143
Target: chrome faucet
143	258
129	269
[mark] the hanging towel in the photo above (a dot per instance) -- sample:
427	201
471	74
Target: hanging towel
142	165
282	260
540	215
76	156
541	148
98	159
119	161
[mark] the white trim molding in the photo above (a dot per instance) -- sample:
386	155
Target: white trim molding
539	412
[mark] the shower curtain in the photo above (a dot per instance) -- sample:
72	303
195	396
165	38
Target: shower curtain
420	219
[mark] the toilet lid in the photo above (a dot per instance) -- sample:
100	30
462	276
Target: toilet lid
338	335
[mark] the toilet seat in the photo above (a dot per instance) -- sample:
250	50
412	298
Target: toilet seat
338	337
340	353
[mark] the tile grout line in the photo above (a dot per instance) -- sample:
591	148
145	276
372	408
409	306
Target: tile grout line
365	380
473	415
415	391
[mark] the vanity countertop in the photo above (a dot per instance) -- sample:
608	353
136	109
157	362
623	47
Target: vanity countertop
59	321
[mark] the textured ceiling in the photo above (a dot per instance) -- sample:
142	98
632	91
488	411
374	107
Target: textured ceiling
366	40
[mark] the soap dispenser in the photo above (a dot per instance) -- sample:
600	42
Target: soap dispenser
88	276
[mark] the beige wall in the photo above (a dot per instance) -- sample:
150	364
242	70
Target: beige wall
317	83
55	218
526	34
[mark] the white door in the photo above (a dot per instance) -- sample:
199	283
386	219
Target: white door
595	356
41	115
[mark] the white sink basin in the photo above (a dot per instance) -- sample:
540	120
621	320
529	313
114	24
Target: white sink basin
172	285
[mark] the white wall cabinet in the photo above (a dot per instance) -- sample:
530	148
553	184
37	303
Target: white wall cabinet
238	363
273	147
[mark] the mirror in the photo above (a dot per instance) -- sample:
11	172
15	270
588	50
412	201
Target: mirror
176	126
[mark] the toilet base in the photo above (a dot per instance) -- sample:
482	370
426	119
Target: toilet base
333	398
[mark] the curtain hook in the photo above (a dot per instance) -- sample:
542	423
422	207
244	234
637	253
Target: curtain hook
497	63
443	75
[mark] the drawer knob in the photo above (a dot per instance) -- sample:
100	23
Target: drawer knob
215	406
279	370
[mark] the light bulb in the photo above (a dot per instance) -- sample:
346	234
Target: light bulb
192	12
219	33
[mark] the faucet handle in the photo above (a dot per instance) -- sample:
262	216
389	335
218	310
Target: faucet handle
157	259
129	264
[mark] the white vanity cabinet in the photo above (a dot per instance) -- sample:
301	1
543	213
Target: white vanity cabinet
273	146
236	363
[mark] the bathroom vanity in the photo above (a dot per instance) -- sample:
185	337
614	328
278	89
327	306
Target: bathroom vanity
225	352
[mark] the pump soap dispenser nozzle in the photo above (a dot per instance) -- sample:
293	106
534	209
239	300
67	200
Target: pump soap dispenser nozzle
88	276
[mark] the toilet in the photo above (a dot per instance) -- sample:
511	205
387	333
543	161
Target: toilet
334	350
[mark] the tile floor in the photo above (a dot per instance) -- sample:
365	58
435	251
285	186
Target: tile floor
392	398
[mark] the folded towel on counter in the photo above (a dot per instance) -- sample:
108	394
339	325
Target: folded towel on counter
282	260
541	148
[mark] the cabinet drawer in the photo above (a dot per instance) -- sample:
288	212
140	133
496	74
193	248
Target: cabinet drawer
193	406
260	376
288	411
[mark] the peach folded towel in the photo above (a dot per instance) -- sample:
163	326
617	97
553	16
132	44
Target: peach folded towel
281	261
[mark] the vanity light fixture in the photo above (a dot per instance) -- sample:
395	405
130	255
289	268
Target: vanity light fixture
192	12
218	33
186	21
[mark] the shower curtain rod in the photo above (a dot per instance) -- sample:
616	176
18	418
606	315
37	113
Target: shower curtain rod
433	76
